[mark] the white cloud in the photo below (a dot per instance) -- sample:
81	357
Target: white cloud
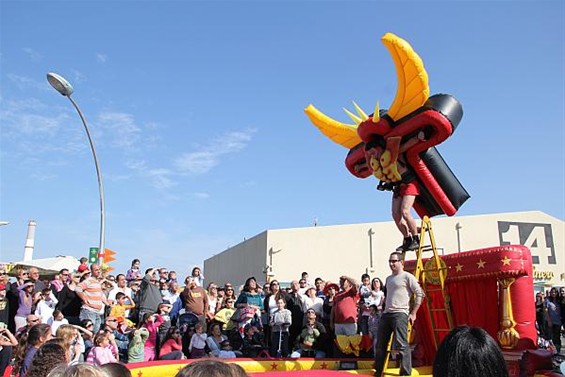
77	76
122	128
209	156
102	58
197	162
200	195
159	178
23	82
32	54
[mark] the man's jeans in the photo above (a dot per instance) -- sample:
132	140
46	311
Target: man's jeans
397	324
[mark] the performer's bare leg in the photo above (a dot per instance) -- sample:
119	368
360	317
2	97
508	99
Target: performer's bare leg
397	215
405	222
407	201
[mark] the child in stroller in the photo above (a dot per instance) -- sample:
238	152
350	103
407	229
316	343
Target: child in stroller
186	323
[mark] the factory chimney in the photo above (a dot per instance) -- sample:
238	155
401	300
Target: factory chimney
30	240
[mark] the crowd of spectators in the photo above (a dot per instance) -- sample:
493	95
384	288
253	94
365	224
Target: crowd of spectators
100	318
89	316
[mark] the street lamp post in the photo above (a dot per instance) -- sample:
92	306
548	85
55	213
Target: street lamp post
458	228
66	89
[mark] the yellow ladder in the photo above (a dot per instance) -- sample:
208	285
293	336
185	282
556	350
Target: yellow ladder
433	272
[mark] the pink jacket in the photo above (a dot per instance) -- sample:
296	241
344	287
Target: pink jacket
153	329
100	356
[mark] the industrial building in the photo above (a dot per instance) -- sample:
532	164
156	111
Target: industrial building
353	249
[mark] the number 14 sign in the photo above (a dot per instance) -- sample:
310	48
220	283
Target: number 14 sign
537	237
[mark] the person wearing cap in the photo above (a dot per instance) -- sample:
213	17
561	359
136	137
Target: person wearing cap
314	302
401	285
343	317
330	290
25	302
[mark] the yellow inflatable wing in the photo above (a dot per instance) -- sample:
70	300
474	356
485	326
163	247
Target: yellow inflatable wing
413	89
340	133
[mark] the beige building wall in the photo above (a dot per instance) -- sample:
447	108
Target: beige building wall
353	249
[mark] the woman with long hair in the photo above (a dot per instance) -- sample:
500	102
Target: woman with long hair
553	310
377	296
73	341
229	293
30	342
197	276
88	335
249	304
172	346
215	340
212	292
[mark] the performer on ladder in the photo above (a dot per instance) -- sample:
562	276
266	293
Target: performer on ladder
404	193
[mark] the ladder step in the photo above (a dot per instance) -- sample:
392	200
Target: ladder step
442	330
439	310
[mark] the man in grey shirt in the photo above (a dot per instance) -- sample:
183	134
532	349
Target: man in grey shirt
400	286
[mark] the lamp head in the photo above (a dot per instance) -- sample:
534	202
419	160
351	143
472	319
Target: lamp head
60	84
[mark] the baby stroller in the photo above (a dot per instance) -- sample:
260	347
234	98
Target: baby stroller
283	344
185	323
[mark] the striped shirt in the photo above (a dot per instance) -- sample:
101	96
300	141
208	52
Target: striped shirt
92	291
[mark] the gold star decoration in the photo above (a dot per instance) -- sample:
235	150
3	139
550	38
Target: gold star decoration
324	366
481	263
459	267
506	261
274	366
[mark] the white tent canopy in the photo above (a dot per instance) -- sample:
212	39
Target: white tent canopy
47	266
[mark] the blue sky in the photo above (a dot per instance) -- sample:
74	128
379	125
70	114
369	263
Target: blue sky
196	110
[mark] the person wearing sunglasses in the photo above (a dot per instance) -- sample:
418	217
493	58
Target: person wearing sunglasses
401	285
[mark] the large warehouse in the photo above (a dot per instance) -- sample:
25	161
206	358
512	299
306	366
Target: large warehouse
353	249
